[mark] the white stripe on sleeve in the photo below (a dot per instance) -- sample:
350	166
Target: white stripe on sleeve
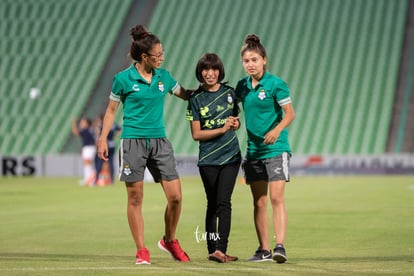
284	101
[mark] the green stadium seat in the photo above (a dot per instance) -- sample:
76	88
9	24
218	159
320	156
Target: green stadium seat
340	59
60	47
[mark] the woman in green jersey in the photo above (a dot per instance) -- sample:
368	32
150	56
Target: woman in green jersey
212	113
141	89
268	111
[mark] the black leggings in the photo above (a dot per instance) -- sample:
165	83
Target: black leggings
218	184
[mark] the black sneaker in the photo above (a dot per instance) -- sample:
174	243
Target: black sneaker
261	256
279	254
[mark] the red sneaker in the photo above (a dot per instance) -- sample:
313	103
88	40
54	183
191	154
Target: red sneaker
143	256
174	249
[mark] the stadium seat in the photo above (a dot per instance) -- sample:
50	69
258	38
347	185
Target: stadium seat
340	59
59	47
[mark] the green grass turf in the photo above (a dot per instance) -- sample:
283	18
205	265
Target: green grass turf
337	226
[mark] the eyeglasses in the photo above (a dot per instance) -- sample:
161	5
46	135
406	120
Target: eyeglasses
158	56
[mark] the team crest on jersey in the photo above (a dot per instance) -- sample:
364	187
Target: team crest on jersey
135	87
229	98
262	94
127	170
161	86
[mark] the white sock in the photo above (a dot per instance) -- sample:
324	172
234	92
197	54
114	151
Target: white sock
88	173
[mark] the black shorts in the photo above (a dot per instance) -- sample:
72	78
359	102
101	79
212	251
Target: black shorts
271	169
154	153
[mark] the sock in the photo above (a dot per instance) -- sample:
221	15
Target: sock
88	174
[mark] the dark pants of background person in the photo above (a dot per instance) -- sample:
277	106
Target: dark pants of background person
218	184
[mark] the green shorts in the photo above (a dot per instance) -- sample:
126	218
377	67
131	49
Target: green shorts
271	169
154	153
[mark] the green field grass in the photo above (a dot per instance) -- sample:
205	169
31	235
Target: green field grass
337	226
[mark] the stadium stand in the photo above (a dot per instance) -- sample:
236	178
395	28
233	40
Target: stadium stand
118	60
59	47
401	134
340	59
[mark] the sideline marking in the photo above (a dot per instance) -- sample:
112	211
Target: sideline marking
139	267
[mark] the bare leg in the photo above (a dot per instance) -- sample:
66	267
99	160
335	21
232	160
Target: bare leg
259	192
135	193
172	190
277	198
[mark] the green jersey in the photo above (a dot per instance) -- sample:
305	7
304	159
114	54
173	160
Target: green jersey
263	111
212	109
143	102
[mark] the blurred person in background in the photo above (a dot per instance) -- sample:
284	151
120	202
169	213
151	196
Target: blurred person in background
105	169
85	131
268	111
141	89
213	116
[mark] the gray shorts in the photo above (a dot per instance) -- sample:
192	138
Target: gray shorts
154	153
271	169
